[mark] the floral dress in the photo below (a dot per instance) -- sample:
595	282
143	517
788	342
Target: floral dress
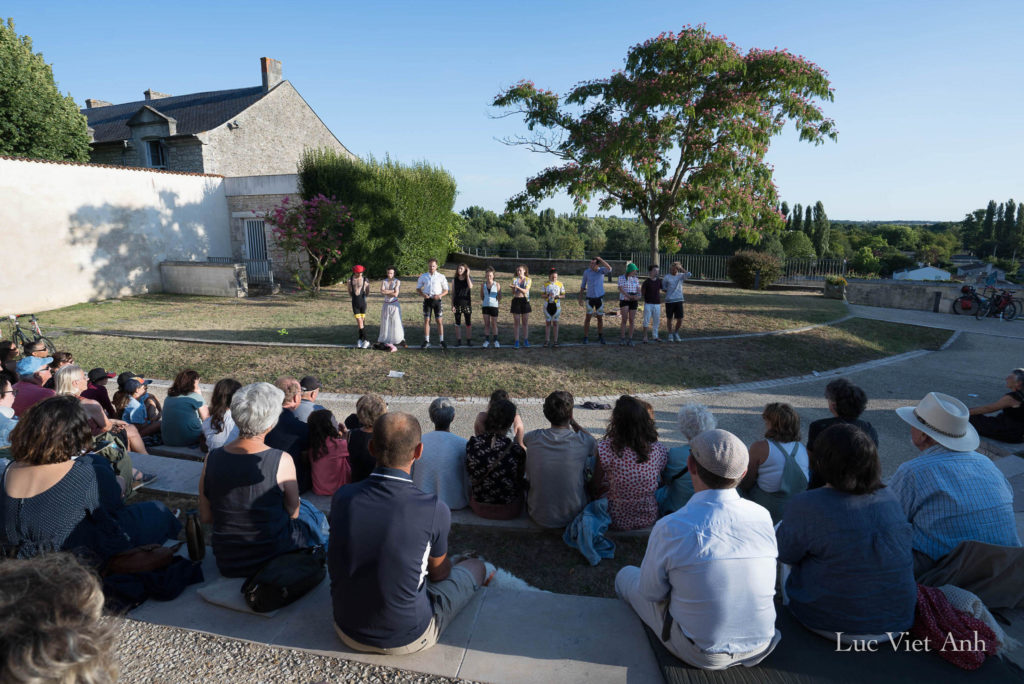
631	485
495	466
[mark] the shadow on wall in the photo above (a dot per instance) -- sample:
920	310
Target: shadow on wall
128	243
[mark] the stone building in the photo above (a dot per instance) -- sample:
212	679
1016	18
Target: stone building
255	131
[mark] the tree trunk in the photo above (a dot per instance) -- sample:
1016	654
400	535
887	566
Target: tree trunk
652	231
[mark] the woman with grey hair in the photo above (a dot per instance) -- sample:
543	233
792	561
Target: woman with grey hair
676	485
1008	426
441	470
250	494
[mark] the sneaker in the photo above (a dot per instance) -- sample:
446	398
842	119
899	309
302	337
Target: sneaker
600	339
555	343
469	342
585	340
458	343
516	346
497	344
526	343
366	344
645	340
656	339
486	344
444	345
622	341
425	345
629	343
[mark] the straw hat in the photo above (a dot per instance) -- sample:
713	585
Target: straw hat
943	418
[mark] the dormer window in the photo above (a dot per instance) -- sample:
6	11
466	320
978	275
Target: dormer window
155	150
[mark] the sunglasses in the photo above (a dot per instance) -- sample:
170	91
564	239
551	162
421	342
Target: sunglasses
13	392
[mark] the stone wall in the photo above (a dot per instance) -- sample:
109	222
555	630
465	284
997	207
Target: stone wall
78	232
270	138
197	278
893	294
252	197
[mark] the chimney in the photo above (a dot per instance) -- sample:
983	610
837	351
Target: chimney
91	103
155	95
271	70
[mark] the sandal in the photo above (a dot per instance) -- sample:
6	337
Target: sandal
142	479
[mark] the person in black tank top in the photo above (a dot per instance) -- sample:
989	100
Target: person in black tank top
358	287
1008	426
462	304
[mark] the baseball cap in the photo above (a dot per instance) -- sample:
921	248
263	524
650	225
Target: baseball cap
31	364
132	385
310	383
128	375
721	452
358	268
98	374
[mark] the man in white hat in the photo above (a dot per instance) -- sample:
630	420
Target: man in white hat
707	581
950	492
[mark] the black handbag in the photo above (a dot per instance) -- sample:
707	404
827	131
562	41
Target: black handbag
194	536
285	579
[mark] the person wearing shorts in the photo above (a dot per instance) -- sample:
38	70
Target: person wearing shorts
521	306
433	286
490	298
592	289
651	293
629	299
358	288
554	291
462	304
672	285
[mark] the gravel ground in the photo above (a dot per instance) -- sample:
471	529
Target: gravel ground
153	654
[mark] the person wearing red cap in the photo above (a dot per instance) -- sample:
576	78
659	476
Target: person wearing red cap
358	288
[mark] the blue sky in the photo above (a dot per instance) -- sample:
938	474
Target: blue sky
929	103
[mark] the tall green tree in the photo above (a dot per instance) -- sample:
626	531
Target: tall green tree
988	225
35	119
678	136
808	224
822	228
798	218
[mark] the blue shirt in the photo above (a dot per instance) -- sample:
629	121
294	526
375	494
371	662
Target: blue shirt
676	489
383	529
180	424
593	281
7	424
852	565
950	497
135	412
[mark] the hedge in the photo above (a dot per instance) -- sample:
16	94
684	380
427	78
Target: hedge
743	269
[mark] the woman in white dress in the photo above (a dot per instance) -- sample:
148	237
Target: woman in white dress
391	330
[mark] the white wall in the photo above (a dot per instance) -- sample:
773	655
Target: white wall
73	232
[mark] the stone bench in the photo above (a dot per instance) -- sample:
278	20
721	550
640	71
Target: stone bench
187	453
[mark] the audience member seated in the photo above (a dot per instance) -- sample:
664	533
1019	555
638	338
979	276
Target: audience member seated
60	360
387	536
847	544
441	470
153	406
136	413
291	434
846	403
328	453
950	493
517	431
70	381
631	458
55	497
218	427
369	408
54	629
707	581
310	386
33	372
676	484
184	411
495	464
97	391
7	418
560	464
1008	426
248	491
9	354
778	464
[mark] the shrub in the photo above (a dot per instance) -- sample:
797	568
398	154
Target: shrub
835	280
797	245
865	261
315	228
744	268
402	215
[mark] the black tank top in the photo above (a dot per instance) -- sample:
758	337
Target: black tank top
460	291
1015	414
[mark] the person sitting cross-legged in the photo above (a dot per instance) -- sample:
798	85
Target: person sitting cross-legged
393	588
495	465
557	461
676	484
846	403
707	581
778	463
33	372
441	470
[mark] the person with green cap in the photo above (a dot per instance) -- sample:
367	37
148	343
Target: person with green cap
629	298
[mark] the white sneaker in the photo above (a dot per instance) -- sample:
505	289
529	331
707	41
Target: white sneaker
366	344
497	344
486	344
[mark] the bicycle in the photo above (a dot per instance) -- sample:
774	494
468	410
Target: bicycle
968	302
21	338
1001	305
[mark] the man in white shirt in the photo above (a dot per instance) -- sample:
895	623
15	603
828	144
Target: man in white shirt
434	287
673	286
707	581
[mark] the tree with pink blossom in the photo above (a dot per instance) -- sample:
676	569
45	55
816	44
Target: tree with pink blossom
313	227
677	137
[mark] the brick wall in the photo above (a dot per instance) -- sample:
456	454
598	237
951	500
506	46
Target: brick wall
242	207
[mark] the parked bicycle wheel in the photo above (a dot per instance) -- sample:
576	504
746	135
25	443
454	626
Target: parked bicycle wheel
965	304
50	349
1011	311
984	309
19	338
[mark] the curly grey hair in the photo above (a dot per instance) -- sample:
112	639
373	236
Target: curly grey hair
442	413
694	419
256	408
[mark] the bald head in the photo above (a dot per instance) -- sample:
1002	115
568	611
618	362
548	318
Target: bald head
396	440
292	391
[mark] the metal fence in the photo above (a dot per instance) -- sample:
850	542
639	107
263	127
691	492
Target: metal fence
538	254
257	271
715	266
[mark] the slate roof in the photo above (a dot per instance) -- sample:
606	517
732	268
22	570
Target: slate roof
194	113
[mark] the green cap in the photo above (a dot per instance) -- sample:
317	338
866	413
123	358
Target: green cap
630	267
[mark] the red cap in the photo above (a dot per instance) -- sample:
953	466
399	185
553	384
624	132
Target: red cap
358	268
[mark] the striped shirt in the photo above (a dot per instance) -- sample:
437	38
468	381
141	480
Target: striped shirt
628	285
950	497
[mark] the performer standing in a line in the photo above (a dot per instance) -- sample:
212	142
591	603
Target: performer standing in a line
629	297
490	298
433	286
554	291
521	305
462	303
672	284
358	288
391	329
592	288
651	292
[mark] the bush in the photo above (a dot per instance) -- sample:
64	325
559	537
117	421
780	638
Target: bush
865	261
744	268
797	245
402	215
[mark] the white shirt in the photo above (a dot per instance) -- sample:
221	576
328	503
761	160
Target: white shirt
715	558
769	473
431	285
215	440
441	470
